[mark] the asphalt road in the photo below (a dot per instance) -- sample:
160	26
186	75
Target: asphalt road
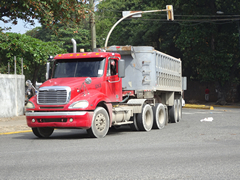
190	149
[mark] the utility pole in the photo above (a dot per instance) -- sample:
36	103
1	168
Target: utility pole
92	25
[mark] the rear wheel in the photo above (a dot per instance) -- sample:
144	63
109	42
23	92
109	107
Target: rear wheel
179	110
159	116
43	132
173	112
145	119
100	123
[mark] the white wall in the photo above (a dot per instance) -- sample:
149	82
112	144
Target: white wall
12	95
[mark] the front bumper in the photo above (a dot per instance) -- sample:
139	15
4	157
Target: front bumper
69	119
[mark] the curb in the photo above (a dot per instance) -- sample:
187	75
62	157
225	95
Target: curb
196	106
16	132
227	106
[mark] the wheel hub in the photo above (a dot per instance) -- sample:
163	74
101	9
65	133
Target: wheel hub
100	122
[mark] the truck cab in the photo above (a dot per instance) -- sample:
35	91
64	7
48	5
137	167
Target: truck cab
77	85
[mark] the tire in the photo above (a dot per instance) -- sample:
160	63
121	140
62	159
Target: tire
173	112
179	110
145	119
43	132
167	116
36	133
134	126
159	116
100	123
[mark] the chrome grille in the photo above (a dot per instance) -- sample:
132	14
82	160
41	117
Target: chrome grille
54	95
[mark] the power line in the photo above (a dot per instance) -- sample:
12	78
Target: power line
178	20
181	22
185	15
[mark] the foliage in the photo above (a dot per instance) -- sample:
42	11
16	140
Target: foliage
64	36
42	33
210	46
139	31
81	36
48	12
33	51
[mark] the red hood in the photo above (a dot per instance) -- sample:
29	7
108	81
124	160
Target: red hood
71	82
75	84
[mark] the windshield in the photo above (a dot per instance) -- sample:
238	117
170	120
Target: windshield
79	68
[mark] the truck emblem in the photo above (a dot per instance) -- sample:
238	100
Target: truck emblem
52	90
98	85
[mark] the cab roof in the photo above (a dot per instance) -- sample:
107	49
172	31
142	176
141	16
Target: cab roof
85	55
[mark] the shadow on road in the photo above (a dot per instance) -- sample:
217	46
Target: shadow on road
73	134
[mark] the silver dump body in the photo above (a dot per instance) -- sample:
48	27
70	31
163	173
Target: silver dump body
148	69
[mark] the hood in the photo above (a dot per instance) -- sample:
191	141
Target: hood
76	84
71	82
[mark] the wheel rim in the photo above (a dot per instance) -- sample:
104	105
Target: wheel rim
161	116
148	118
176	110
100	122
179	110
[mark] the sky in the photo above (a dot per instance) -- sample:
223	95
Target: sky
21	27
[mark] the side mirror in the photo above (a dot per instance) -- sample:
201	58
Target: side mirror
88	80
28	83
121	68
47	70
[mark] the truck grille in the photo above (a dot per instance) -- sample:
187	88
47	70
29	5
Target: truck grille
54	95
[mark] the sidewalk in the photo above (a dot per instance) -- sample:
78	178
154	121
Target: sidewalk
13	125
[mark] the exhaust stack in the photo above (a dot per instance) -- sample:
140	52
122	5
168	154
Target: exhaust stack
74	45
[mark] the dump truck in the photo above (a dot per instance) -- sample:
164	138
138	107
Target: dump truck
136	86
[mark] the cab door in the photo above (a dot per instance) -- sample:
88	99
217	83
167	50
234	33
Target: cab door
114	83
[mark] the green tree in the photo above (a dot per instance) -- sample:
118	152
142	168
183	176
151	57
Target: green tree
152	29
33	51
210	43
81	36
64	36
42	33
48	12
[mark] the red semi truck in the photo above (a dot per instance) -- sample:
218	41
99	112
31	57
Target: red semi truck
119	85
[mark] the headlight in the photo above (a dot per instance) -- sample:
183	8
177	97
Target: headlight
79	104
30	105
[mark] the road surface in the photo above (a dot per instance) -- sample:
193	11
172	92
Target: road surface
190	149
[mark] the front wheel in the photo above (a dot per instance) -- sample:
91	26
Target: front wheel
100	123
43	132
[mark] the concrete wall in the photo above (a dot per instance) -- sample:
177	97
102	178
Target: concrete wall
12	95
